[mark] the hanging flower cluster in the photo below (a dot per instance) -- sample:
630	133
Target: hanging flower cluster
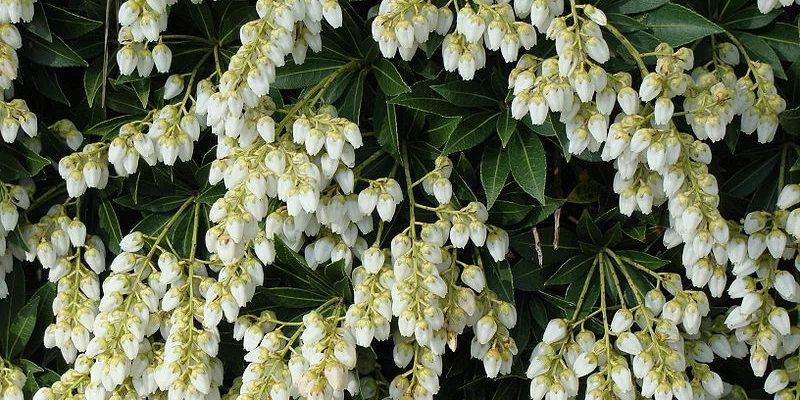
293	180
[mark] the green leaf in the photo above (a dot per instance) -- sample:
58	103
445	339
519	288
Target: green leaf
109	129
575	289
467	94
351	108
790	121
161	204
632	7
749	18
472	131
386	130
423	98
293	266
588	231
20	330
232	15
624	23
32	163
211	194
30	387
761	51
55	54
142	89
10	306
441	128
201	18
640	257
784	40
529	276
69	25
678	25
38	25
46	82
571	270
109	225
389	78
180	234
93	80
500	279
528	165
751	176
313	70
506	126
494	173
290	297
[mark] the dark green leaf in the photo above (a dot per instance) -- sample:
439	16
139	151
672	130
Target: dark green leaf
386	129
293	76
494	173
784	40
500	279
93	80
10	306
624	23
790	121
201	18
109	129
761	51
571	270
678	25
441	128
32	162
529	276
389	79
180	234
592	294
588	231
109	225
506	126
472	131
640	257
162	204
467	94
294	297
528	164
38	25
745	181
211	194
749	18
351	108
21	329
55	54
46	82
633	7
142	89
232	14
69	25
423	98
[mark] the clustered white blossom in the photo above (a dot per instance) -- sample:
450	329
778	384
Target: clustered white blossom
142	23
766	6
642	352
402	26
12	199
292	178
11	381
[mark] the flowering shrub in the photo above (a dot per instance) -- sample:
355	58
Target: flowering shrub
408	199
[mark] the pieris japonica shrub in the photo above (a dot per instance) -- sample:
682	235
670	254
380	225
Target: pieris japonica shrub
404	199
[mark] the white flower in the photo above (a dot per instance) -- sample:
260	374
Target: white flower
776	381
556	330
790	195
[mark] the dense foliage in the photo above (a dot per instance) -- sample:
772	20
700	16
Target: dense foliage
408	199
